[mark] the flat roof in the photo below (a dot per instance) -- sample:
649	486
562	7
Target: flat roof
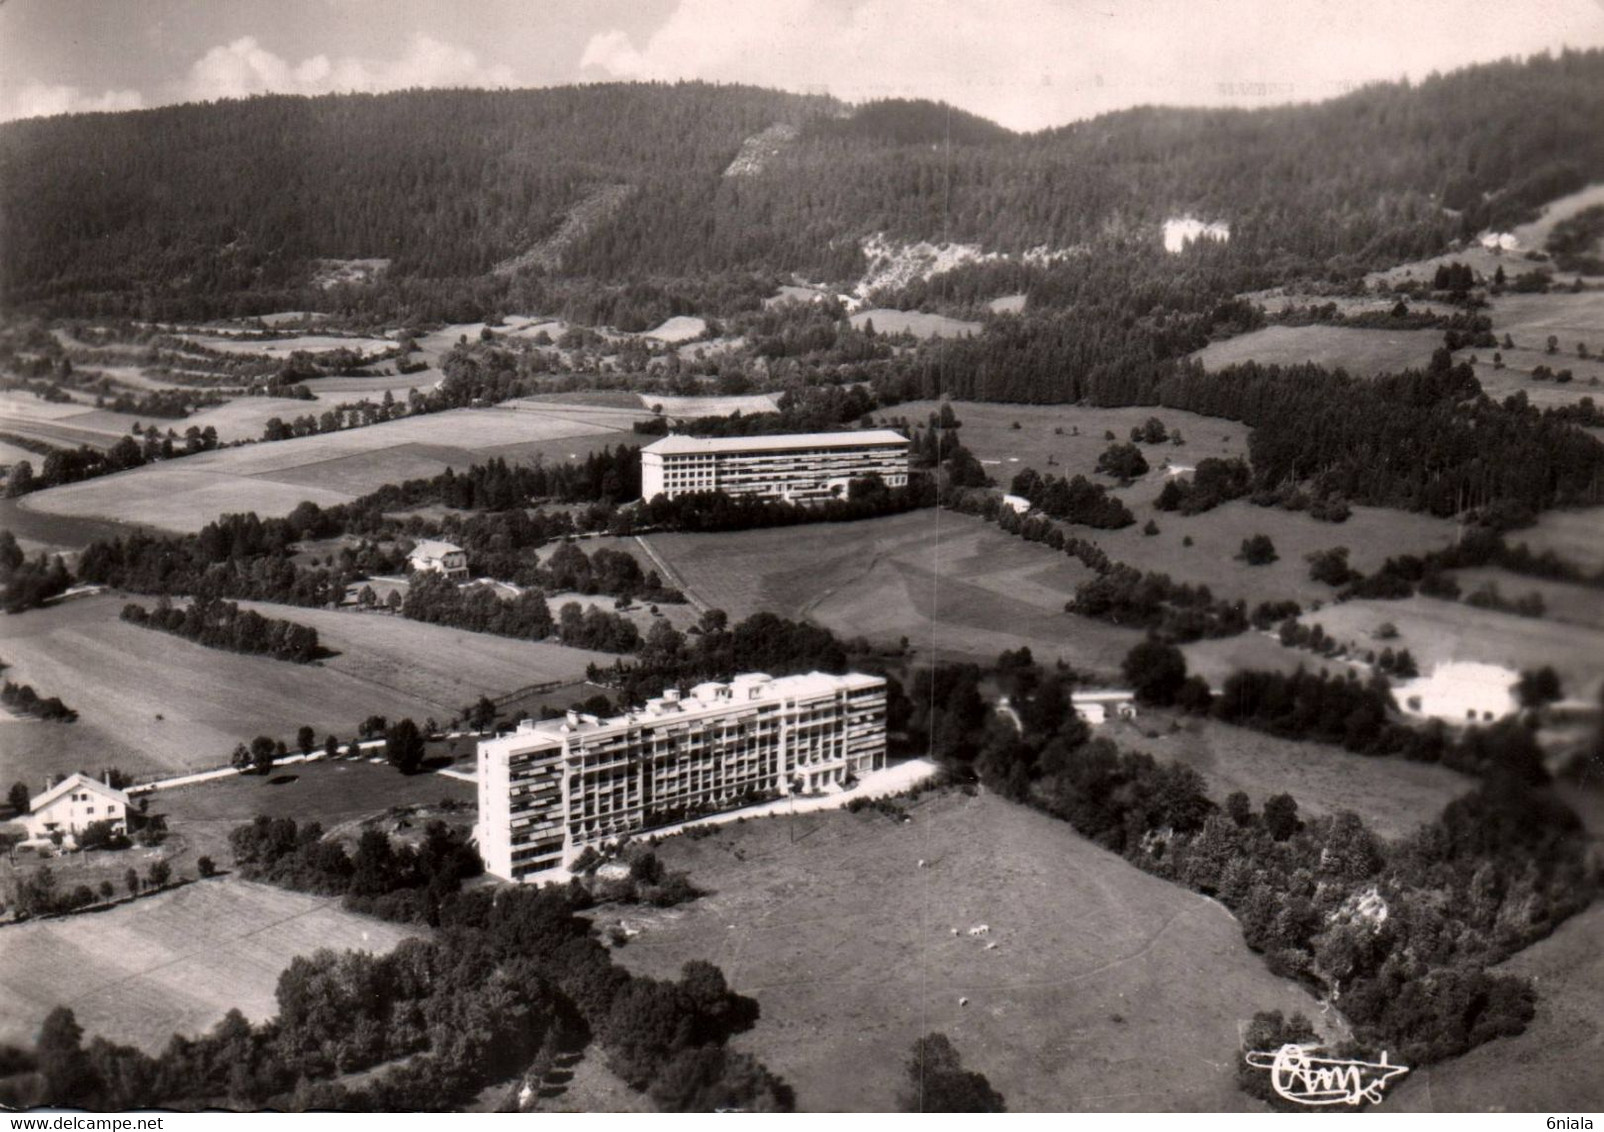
684	445
748	689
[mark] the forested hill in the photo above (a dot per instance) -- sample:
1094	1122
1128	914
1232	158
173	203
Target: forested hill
227	206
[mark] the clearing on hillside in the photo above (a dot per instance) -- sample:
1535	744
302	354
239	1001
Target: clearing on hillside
1393	796
1363	353
917	323
172	963
1441	632
1117	992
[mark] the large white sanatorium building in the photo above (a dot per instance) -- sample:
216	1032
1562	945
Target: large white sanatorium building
553	787
798	467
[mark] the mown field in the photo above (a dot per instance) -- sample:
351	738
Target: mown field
172	963
952	584
432	666
148	701
1108	990
332	468
1361	352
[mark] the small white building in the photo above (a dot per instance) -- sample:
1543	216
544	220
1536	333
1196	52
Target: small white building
441	557
72	805
1096	707
1016	503
1461	691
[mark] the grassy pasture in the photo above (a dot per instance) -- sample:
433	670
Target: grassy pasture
118	677
331	468
435	669
988	432
1360	352
1563	601
339	794
284	347
917	323
712	405
950	583
172	963
1109	990
1576	536
1437	632
1394	796
1371	534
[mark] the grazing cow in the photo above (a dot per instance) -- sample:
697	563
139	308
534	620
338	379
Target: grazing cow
921	864
963	1002
991	946
980	929
954	931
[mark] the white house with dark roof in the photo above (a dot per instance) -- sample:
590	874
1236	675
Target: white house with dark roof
73	804
441	557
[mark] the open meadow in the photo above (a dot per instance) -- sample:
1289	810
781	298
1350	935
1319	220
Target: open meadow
434	667
1393	796
1438	632
1371	534
1072	436
1362	352
1562	601
1108	990
950	583
340	794
1576	536
331	468
917	323
171	963
148	701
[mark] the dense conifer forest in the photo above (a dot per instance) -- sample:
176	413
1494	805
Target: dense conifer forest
461	191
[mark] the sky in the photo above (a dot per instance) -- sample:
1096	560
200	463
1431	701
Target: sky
1028	64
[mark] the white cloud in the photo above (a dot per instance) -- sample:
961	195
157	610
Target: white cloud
40	100
244	67
1036	63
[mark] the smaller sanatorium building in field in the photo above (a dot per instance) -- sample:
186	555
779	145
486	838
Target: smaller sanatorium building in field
796	467
555	786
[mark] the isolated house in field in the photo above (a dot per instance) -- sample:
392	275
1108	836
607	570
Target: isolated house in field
73	804
1016	503
441	557
1100	707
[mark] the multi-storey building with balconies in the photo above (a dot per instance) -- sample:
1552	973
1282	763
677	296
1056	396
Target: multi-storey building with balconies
797	468
553	787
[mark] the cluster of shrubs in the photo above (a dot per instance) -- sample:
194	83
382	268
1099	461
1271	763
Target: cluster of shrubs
22	699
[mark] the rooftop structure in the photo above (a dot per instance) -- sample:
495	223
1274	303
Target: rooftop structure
73	804
795	467
553	787
441	557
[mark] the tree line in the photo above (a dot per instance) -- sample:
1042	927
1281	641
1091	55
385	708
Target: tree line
510	978
220	624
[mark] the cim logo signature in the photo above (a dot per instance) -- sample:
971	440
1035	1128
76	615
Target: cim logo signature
1300	1077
